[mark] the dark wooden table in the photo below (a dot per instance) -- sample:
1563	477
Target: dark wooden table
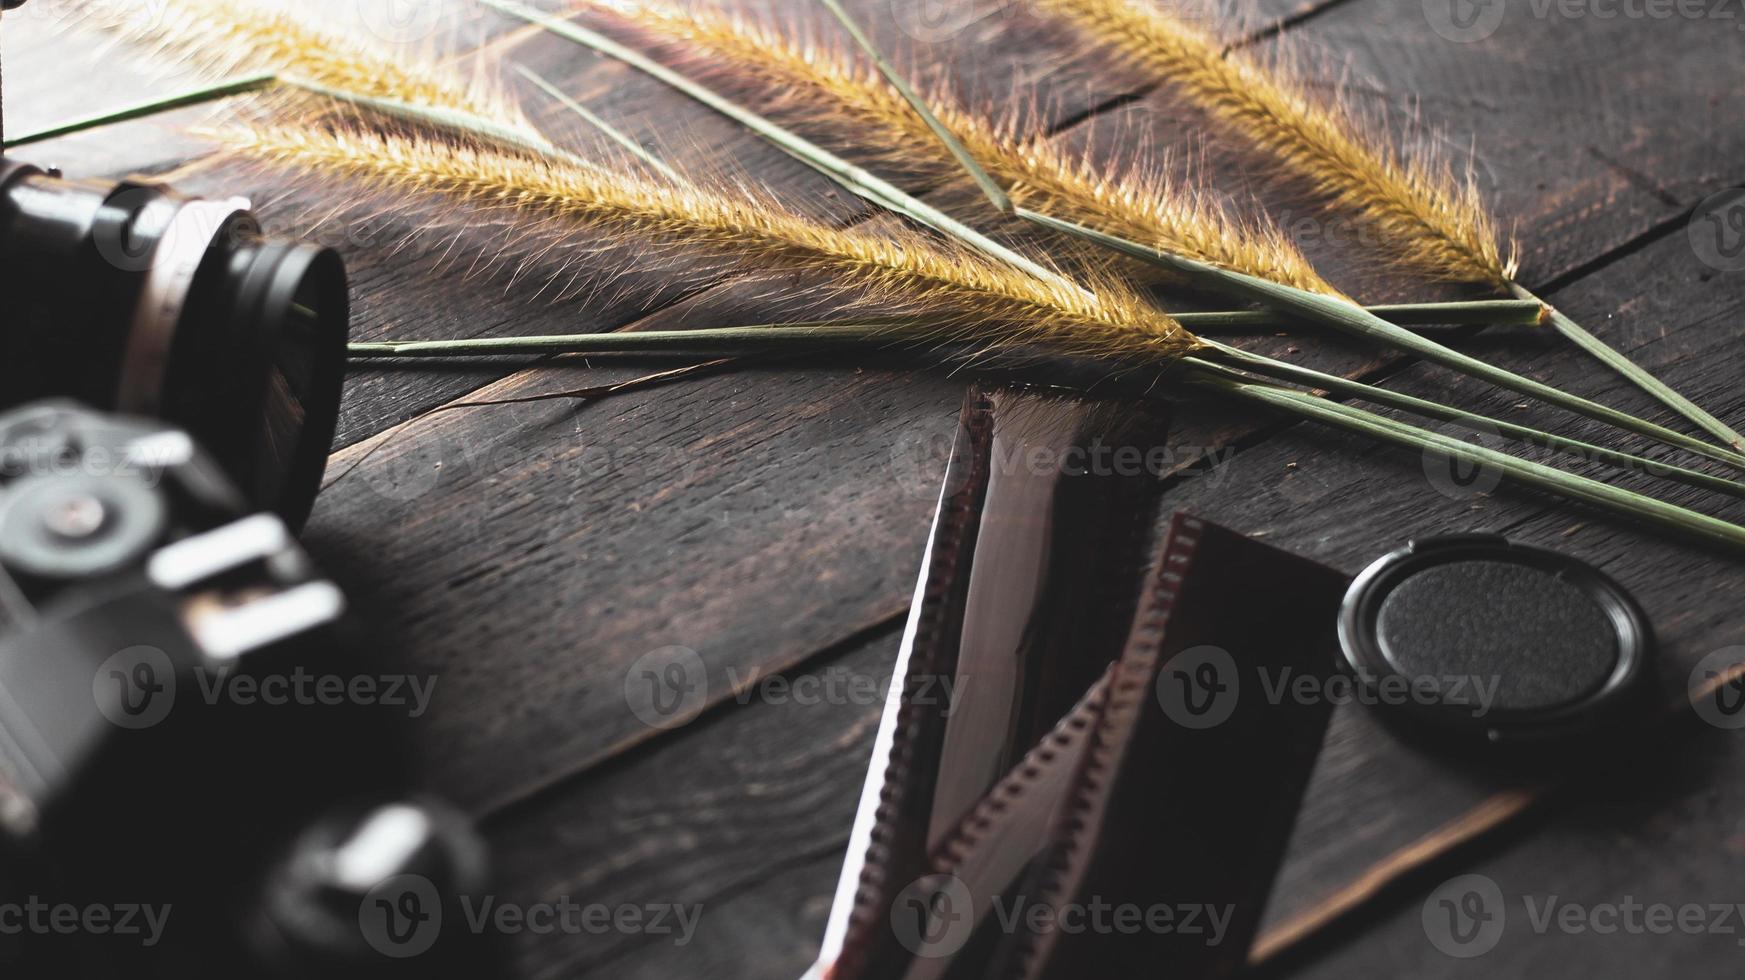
770	518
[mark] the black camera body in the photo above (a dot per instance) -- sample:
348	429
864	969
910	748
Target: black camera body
133	298
192	781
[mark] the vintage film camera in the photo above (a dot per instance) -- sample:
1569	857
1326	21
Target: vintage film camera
188	787
172	802
131	297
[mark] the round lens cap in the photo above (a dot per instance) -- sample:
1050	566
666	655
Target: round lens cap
1481	640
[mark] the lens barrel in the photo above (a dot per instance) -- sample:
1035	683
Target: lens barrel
131	297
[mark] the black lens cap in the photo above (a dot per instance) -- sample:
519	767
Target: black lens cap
1477	640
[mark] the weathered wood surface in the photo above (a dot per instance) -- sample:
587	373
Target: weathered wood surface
770	518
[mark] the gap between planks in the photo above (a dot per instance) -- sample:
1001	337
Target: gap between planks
350	454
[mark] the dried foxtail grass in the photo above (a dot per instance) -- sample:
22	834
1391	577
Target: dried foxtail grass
969	297
222	37
1431	219
571	209
834	88
1427	218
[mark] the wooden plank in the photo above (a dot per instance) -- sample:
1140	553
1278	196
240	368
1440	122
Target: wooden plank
1584	133
736	801
767	929
59	68
877	577
1356	814
601	533
1314	483
1344	502
50	67
1659	829
556	589
1591	130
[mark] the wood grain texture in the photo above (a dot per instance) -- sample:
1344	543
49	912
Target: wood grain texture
770	519
683	824
910	416
1658	832
1324	504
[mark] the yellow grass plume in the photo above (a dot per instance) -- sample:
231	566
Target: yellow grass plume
576	209
1429	218
830	84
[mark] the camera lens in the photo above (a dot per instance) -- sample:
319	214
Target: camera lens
131	297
